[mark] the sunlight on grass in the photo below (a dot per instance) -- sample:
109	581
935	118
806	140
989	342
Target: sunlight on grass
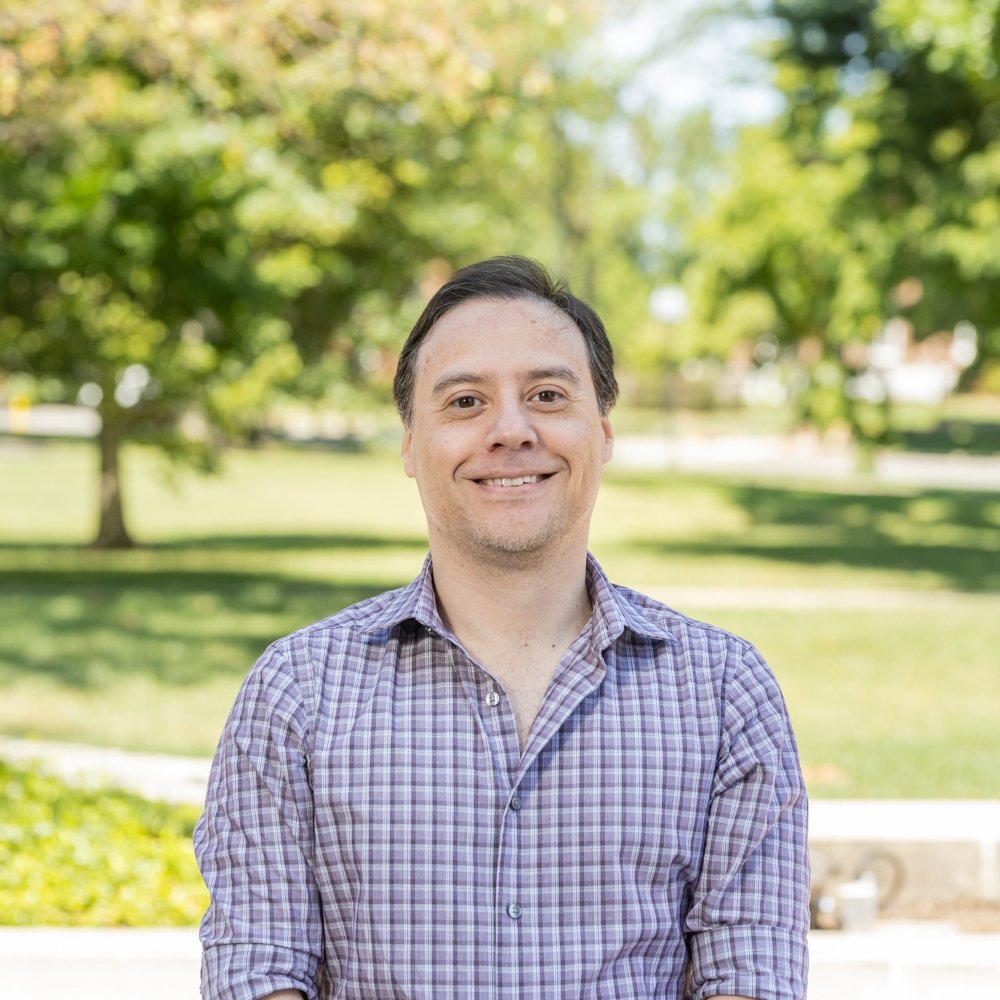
886	703
135	713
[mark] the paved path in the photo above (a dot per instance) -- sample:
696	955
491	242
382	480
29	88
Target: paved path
154	776
895	961
801	458
57	963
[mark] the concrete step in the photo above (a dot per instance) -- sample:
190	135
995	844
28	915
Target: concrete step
56	963
927	852
911	960
895	961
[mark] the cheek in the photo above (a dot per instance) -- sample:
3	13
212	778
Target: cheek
428	461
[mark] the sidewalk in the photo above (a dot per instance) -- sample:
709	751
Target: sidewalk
950	849
895	961
154	776
786	456
63	963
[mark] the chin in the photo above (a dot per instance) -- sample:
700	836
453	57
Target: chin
521	546
506	541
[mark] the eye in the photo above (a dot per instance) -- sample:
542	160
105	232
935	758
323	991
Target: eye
465	402
548	396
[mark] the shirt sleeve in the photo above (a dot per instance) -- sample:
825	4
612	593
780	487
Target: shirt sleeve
749	919
263	929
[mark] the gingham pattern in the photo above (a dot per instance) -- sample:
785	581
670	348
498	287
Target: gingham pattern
374	831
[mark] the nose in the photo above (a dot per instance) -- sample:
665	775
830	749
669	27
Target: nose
511	426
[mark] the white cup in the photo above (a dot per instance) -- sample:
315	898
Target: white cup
857	903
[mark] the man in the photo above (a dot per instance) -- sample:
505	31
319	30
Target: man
509	779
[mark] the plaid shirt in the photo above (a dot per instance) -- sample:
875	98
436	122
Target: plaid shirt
373	829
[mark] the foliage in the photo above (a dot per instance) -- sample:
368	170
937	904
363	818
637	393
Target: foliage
872	197
206	204
97	857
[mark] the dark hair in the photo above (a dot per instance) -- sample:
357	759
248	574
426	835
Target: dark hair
508	278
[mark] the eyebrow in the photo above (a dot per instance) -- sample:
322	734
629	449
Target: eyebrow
556	372
447	382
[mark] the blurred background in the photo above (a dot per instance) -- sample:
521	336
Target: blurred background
218	221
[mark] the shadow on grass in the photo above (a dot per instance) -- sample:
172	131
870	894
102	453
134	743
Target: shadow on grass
934	508
87	628
953	534
973	437
263	543
258	542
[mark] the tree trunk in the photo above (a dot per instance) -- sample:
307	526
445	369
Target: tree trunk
111	530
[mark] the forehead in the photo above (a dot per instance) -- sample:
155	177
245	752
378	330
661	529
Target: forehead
499	334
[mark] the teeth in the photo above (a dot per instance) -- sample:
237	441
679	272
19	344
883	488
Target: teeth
516	481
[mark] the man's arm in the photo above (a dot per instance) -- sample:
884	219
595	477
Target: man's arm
749	920
262	934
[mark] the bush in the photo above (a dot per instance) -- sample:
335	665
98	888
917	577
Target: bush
93	857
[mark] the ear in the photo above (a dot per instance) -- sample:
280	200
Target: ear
609	439
406	453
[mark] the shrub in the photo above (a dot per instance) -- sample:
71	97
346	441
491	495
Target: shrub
93	857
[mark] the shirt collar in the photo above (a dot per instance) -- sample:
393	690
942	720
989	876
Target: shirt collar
615	608
416	602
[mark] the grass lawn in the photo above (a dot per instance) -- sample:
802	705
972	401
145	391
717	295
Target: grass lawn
144	649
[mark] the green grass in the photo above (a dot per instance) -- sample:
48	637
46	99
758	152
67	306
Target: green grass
887	703
145	649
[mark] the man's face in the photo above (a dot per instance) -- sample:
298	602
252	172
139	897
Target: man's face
506	441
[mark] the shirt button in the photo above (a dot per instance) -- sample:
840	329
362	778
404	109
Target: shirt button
515	802
514	911
493	699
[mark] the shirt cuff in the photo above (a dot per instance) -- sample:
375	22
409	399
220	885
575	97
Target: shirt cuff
251	971
768	963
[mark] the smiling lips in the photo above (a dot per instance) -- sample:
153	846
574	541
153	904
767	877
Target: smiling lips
512	481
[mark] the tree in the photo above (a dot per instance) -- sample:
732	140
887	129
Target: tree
204	203
563	171
872	196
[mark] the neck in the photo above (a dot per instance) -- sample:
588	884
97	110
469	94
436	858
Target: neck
539	601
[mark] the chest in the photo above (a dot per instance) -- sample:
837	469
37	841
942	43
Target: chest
431	824
611	755
525	679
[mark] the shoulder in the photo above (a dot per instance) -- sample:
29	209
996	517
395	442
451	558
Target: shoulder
348	635
623	611
298	671
645	614
707	664
364	615
350	630
683	648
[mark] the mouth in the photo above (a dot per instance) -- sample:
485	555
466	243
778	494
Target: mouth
513	480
